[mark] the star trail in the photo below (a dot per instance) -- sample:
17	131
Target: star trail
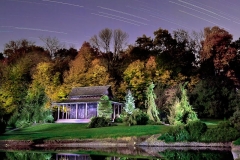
76	21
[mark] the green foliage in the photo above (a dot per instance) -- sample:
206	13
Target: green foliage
137	117
214	98
28	155
194	155
224	132
235	120
181	112
189	132
142	118
97	122
118	119
129	106
131	119
104	107
176	133
195	130
237	142
152	111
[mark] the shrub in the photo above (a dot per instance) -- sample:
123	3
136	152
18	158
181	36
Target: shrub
195	130
118	120
142	118
176	133
151	122
224	132
235	120
97	122
237	142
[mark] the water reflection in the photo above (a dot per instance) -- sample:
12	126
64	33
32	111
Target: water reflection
153	153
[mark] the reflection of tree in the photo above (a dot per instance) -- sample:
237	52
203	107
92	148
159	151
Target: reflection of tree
196	155
26	155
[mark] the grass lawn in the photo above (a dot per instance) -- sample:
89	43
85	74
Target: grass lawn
211	122
80	131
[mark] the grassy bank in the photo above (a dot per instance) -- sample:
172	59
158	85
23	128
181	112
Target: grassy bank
80	131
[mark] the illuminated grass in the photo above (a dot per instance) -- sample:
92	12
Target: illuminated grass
80	131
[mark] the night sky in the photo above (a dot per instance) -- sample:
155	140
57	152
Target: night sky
76	21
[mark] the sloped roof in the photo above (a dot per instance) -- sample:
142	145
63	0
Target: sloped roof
90	91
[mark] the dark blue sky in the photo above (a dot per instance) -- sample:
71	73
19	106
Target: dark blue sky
75	21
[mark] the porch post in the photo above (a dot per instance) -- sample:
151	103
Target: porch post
86	111
118	109
63	113
114	114
58	112
76	110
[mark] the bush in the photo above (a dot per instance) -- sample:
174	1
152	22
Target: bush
118	120
142	118
151	122
237	142
175	134
97	122
224	132
235	120
195	130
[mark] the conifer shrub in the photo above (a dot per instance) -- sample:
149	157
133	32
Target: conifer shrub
195	130
97	122
176	133
142	118
235	120
237	142
118	119
224	132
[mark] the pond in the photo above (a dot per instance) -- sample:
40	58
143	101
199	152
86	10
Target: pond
143	153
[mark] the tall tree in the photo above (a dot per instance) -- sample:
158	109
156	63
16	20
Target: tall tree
182	112
15	50
152	110
52	45
217	52
119	41
79	66
105	107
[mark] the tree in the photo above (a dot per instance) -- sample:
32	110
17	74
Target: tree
52	45
181	112
152	111
119	41
145	42
79	66
14	47
105	107
214	98
129	106
135	78
15	50
102	44
217	53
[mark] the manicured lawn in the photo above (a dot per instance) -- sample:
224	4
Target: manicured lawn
210	122
80	131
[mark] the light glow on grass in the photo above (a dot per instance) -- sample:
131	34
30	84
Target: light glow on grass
80	131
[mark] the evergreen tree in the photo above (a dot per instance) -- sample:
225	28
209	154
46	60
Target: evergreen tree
104	107
181	112
129	103
152	111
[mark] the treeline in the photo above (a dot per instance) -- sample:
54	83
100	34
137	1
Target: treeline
31	77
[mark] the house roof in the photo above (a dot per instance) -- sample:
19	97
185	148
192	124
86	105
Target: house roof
90	91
